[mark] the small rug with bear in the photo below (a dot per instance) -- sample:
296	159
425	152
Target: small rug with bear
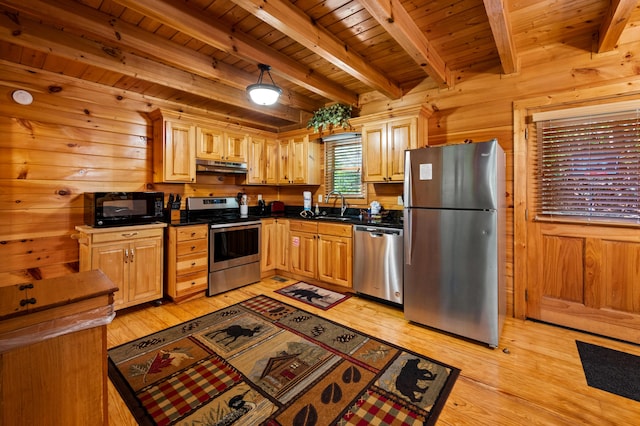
313	295
263	361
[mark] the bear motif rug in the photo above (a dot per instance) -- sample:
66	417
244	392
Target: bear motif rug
263	361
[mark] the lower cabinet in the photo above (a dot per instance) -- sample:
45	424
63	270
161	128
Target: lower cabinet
187	261
131	256
274	253
321	251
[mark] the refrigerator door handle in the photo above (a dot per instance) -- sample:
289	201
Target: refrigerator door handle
408	240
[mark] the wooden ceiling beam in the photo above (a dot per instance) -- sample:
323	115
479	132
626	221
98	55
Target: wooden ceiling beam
294	23
70	14
615	21
394	18
31	34
184	18
500	23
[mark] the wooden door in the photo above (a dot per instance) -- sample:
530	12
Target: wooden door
282	244
209	143
256	161
180	157
111	259
303	253
269	250
299	160
575	274
271	153
145	270
284	164
374	152
401	135
235	147
335	260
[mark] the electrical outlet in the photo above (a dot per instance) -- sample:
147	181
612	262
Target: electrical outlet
319	198
400	202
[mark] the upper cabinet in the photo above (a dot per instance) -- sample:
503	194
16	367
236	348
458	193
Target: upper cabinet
384	141
221	145
262	161
174	148
299	161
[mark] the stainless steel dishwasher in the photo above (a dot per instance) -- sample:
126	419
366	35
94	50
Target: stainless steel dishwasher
378	262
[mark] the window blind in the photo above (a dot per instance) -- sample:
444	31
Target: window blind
343	167
589	166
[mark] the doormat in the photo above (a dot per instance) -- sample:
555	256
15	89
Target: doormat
610	370
313	295
263	361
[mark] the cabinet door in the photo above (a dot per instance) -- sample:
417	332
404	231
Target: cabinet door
145	270
335	260
271	153
401	135
256	161
282	244
236	147
374	152
285	155
268	240
179	152
303	253
299	160
112	259
209	143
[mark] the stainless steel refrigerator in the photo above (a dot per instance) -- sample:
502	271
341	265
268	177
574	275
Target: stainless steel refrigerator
454	239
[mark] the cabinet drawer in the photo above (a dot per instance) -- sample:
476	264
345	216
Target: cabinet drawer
192	282
126	235
303	226
184	233
191	263
192	246
336	229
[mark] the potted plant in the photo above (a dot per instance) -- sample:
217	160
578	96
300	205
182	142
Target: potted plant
330	117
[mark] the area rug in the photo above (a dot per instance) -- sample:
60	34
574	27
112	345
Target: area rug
263	361
313	295
610	370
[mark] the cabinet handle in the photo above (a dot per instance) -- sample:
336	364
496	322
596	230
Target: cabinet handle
31	301
26	286
129	234
193	264
193	234
132	252
126	255
193	247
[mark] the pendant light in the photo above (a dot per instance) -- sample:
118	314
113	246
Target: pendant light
264	93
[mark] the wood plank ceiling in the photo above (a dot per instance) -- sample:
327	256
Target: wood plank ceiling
203	53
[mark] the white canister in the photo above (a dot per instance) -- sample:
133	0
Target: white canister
307	200
244	210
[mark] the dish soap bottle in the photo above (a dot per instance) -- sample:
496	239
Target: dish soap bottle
317	210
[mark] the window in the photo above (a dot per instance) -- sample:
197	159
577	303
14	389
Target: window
343	165
588	166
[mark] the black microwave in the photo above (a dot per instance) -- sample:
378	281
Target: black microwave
104	209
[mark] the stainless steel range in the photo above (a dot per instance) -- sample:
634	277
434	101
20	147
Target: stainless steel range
234	242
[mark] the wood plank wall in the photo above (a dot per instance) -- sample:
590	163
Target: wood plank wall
85	138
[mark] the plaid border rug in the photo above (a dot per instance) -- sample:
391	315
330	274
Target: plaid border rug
313	295
263	361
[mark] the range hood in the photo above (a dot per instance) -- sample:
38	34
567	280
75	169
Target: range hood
213	166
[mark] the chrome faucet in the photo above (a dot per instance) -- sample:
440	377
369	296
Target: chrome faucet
343	205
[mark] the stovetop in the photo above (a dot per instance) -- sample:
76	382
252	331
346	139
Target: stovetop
216	211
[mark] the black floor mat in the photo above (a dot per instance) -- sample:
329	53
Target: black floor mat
610	370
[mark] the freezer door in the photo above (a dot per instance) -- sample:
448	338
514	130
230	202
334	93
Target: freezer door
464	176
452	280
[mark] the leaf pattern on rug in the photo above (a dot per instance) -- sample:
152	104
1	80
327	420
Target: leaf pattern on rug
160	360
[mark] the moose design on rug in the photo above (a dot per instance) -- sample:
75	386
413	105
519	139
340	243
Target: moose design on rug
233	332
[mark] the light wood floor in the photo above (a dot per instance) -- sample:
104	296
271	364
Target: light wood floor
533	378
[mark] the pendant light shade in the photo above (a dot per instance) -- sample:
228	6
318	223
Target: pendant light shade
264	93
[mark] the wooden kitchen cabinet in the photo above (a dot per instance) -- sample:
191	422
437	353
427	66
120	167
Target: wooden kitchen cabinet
187	261
131	256
299	161
275	246
303	248
262	161
385	138
335	254
214	143
174	148
282	244
53	350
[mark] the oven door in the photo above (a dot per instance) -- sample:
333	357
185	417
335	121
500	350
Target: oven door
233	245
